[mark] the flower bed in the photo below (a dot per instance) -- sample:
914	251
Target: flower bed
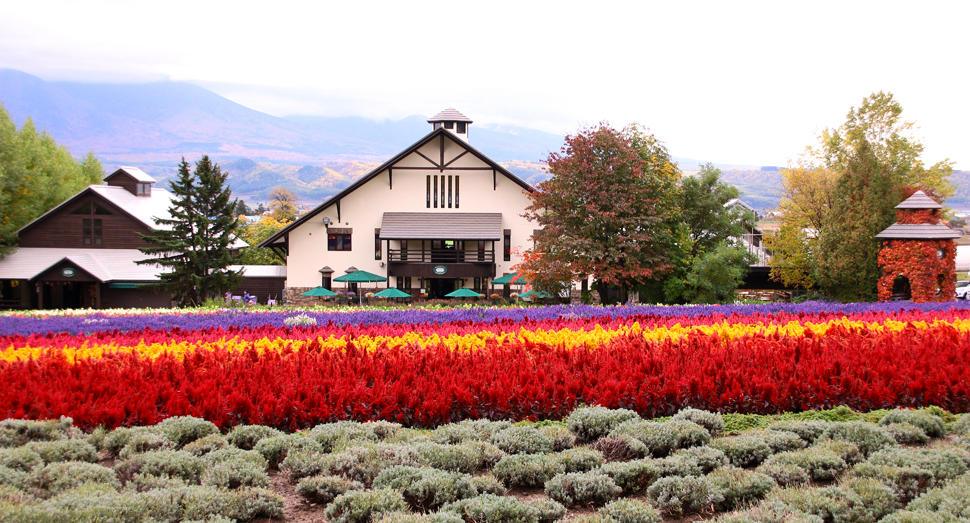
428	367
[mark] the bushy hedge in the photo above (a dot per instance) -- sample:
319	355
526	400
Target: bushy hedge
582	489
527	470
426	489
592	423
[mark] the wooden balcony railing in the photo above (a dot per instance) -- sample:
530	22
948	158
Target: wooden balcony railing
440	256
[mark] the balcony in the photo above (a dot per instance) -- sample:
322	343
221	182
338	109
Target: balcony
441	263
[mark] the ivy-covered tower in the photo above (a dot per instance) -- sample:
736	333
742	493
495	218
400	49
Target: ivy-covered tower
918	253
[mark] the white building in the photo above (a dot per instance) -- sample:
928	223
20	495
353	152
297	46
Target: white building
438	216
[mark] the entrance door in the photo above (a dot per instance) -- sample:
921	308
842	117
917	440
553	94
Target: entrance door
438	287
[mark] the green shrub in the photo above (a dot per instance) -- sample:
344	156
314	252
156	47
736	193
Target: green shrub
144	441
490	454
821	465
488	484
769	512
207	444
242	504
623	448
162	463
779	440
580	459
383	429
521	440
931	425
363	506
870	438
118	438
560	436
809	431
548	510
88	503
632	476
65	450
439	517
234	456
706	458
848	451
488	508
582	489
302	463
183	430
364	463
468	430
324	489
426	489
143	483
276	448
677	466
234	474
17	432
739	486
592	423
526	470
13	495
906	482
913	516
878	498
709	420
333	436
663	438
96	437
12	477
453	458
65	475
247	436
23	459
743	451
906	433
942	464
962	426
785	474
832	504
630	511
679	495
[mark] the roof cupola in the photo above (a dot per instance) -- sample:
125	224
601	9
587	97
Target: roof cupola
133	179
452	121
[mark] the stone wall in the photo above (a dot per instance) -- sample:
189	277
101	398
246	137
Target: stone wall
294	299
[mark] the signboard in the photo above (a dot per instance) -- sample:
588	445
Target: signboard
440	270
67	272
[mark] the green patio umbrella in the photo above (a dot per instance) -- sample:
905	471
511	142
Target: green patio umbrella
392	292
508	279
360	277
463	293
537	294
319	291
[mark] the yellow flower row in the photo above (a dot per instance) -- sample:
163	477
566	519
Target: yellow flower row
563	338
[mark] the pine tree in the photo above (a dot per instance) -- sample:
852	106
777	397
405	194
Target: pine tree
194	242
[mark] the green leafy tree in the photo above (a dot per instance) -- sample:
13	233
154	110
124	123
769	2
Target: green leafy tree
283	204
843	192
712	260
194	243
255	232
601	211
36	175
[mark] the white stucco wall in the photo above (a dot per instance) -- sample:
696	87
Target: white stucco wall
362	210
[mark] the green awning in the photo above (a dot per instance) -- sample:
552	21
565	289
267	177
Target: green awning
126	285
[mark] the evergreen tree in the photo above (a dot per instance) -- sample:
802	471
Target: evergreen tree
194	242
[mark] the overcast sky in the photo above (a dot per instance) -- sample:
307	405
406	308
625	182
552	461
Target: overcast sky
730	82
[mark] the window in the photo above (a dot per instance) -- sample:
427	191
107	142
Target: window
449	191
91	208
404	283
428	181
436	192
404	250
507	245
437	125
326	283
91	231
144	189
461	128
338	242
478	285
481	250
456	191
377	244
442	191
449	125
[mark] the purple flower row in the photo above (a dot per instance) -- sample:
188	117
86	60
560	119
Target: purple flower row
25	325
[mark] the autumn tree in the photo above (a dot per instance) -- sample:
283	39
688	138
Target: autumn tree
602	210
283	204
824	213
253	233
36	175
194	242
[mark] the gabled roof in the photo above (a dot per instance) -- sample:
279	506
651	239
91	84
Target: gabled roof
922	231
137	174
919	200
143	209
383	167
449	115
106	265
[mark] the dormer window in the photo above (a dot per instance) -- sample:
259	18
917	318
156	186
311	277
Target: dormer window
449	125
144	189
461	128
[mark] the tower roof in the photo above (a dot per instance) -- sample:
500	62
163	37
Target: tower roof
919	200
449	115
